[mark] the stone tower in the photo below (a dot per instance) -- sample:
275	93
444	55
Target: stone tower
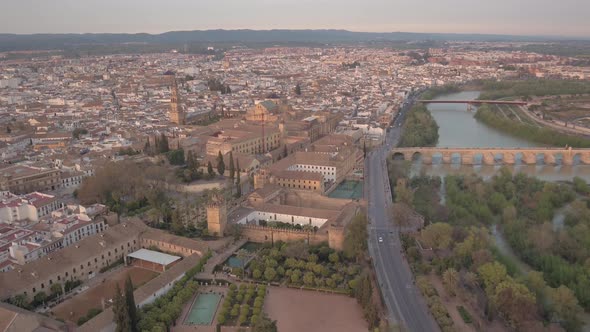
176	113
261	178
216	216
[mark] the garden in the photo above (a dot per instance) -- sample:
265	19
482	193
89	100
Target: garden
242	306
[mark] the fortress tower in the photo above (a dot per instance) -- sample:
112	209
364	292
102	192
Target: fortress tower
216	216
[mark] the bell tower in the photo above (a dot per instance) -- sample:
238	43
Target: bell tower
176	113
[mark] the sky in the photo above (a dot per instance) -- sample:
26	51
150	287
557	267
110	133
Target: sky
514	17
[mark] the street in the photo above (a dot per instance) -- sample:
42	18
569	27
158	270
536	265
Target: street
405	304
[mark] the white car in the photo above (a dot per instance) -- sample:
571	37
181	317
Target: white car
380	239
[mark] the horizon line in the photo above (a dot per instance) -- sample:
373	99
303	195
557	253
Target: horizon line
570	37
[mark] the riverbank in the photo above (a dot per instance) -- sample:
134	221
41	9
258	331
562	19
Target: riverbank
542	135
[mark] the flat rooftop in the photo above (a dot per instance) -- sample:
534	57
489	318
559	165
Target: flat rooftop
154	257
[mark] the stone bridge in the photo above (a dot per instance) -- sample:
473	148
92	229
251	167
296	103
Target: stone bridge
493	156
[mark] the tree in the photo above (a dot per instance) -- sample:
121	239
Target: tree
355	240
232	169
308	278
565	307
210	169
130	304
364	149
403	194
56	289
79	131
163	144
401	214
334	257
19	300
298	89
296	276
437	235
515	302
264	324
238	180
220	164
492	274
270	274
451	281
40	298
122	319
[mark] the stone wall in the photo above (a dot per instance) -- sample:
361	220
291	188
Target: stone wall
260	234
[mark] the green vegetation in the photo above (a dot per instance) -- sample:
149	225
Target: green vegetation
493	90
287	225
465	315
538	134
191	172
243	306
469	264
319	267
128	152
124	308
176	157
298	264
163	312
436	91
420	128
79	132
438	310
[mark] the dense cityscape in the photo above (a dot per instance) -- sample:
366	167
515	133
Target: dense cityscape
339	187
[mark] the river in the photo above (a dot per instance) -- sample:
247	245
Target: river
459	128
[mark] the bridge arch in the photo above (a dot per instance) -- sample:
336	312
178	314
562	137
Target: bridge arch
416	156
398	156
519	158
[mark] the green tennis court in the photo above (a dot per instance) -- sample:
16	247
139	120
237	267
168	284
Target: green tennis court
203	309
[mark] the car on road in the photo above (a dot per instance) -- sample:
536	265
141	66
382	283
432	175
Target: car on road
380	239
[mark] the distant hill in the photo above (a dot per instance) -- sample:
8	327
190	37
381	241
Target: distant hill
14	42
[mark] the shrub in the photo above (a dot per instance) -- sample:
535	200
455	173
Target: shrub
465	314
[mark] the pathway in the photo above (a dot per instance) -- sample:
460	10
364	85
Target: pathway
219	258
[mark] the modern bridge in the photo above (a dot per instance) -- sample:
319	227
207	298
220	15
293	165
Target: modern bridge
475	102
493	156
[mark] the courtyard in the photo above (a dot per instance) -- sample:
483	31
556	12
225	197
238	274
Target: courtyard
74	308
315	311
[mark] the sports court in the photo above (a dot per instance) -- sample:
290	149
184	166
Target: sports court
203	309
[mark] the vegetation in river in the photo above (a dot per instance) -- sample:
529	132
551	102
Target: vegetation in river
420	128
457	248
540	135
492	90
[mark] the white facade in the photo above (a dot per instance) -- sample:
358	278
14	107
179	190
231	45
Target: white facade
329	172
13	213
256	216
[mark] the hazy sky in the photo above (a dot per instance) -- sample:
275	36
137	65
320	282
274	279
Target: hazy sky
529	17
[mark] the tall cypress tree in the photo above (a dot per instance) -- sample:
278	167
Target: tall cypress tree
220	164
232	169
130	304
121	313
238	181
